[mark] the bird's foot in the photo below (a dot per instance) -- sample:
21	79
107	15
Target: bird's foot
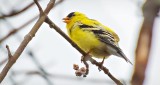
100	66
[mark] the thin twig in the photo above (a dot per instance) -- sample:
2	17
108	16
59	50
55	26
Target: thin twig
13	13
26	40
39	7
44	73
94	62
58	3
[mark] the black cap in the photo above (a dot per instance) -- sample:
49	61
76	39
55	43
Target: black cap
70	14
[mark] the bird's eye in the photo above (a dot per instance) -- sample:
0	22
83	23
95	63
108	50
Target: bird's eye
71	15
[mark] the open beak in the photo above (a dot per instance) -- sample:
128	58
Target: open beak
66	20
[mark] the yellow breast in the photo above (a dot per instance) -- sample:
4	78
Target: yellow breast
85	39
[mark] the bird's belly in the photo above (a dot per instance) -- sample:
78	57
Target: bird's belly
100	52
89	43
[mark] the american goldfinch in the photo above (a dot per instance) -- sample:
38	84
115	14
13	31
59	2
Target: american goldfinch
93	37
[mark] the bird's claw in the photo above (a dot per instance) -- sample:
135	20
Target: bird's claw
100	66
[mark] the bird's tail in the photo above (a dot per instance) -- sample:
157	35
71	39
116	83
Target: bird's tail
121	54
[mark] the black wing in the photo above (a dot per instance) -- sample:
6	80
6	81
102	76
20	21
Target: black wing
108	39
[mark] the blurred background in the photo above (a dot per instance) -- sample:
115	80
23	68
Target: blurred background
48	59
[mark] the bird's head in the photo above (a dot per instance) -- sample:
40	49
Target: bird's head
73	16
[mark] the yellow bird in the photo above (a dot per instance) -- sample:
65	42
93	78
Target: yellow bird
93	37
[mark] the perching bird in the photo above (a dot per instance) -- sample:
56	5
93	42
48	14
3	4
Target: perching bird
93	37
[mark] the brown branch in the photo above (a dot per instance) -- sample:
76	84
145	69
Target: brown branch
13	13
94	62
150	11
26	40
15	30
58	2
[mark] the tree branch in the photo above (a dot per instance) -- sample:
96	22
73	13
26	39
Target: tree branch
13	13
26	40
150	11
